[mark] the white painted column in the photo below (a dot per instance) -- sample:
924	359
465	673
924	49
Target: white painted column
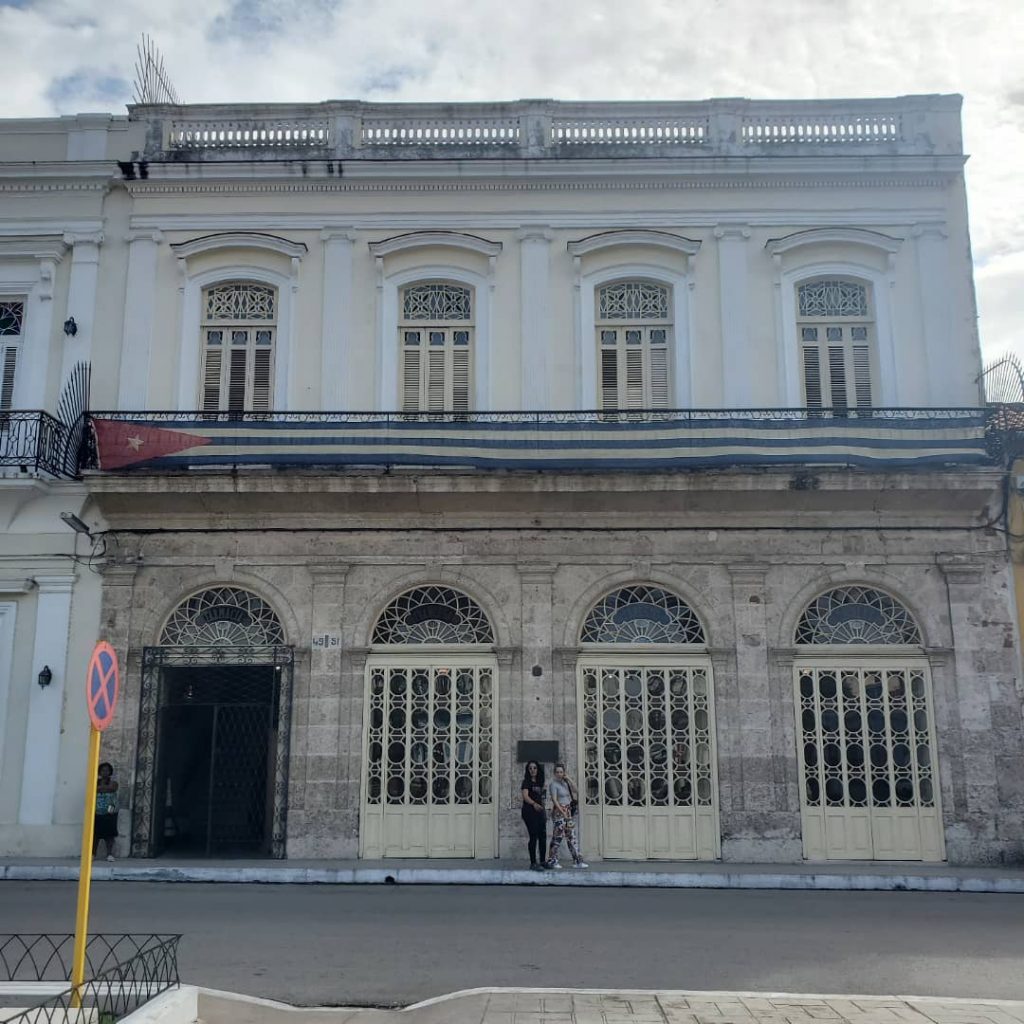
336	332
139	309
46	704
34	360
737	387
85	266
8	619
534	257
942	371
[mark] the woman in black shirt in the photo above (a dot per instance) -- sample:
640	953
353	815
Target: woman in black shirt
534	814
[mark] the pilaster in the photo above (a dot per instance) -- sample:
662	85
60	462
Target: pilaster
139	311
336	331
85	265
534	263
733	294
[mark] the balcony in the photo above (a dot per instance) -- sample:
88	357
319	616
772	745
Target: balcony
539	129
35	443
594	441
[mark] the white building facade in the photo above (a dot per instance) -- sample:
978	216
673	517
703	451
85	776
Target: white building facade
422	440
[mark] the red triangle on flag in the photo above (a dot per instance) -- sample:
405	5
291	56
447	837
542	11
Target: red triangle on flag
120	443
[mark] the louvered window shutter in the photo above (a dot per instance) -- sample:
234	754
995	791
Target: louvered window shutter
211	379
10	366
237	379
460	379
261	380
659	377
812	377
837	377
411	380
436	378
862	376
634	378
609	378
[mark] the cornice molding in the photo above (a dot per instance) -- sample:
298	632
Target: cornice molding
239	240
34	247
633	236
411	240
846	236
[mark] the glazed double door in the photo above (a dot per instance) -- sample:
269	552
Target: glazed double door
430	736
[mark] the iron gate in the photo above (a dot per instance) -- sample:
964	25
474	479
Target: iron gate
238	701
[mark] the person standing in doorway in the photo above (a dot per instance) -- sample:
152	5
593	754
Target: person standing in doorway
563	815
534	815
105	827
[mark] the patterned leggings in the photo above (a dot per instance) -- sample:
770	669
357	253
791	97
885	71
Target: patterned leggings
564	828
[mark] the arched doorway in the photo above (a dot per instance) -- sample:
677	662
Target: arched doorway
865	728
647	729
212	762
430	734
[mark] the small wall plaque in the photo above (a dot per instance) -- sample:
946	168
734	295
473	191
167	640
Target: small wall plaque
326	641
541	751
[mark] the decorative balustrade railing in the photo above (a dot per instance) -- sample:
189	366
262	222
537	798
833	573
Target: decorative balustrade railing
114	987
915	125
33	441
588	440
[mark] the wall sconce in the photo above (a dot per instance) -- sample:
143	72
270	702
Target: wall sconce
45	677
70	327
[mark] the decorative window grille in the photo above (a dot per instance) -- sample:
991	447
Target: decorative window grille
223	617
12	324
239	337
634	330
856	615
641	615
436	341
433	615
837	344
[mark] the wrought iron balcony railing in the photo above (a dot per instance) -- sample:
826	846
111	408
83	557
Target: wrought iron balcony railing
589	440
32	441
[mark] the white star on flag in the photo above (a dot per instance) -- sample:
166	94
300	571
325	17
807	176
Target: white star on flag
135	443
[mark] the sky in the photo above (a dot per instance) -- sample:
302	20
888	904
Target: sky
69	56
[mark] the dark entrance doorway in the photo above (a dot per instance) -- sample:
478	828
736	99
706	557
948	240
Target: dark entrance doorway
215	736
213	752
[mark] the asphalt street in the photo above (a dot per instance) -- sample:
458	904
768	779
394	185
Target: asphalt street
391	945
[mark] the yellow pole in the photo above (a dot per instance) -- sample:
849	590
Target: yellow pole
85	868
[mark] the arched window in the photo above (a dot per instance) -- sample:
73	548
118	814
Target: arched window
12	323
641	614
239	328
435	331
634	330
223	616
836	328
856	615
433	615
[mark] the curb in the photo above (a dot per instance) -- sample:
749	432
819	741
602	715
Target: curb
495	876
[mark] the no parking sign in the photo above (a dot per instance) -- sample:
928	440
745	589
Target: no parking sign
102	685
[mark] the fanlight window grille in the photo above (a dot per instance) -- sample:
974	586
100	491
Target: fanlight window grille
633	300
433	615
12	321
856	615
837	347
634	333
437	302
435	338
223	617
241	301
642	615
833	298
238	347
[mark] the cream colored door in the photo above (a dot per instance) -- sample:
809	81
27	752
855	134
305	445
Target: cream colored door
647	735
869	784
429	743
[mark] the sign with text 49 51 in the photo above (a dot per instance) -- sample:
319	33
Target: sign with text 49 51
326	641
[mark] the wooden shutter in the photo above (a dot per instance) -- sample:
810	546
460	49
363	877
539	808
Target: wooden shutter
862	376
211	379
837	376
410	379
237	379
261	366
634	378
10	366
659	377
812	377
460	379
436	379
609	378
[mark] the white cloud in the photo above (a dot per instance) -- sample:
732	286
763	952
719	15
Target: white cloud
305	50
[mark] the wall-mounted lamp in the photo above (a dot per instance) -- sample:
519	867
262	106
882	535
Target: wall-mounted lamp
75	523
45	677
70	327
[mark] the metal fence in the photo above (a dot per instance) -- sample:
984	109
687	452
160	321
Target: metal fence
122	973
33	441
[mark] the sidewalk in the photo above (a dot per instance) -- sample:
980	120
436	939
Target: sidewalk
565	1006
842	875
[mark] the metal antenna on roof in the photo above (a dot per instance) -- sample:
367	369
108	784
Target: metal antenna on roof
152	84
